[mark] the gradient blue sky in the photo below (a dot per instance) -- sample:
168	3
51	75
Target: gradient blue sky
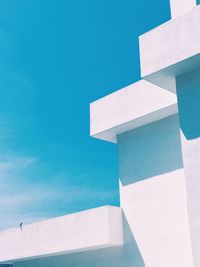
55	58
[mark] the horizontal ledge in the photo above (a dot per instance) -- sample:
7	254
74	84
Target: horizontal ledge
177	50
131	107
83	231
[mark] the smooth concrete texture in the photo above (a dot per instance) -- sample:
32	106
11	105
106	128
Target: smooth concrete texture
127	255
177	50
153	193
158	167
188	92
150	151
82	231
175	65
156	210
180	7
131	107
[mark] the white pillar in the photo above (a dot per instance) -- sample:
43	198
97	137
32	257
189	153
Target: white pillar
188	93
153	194
177	55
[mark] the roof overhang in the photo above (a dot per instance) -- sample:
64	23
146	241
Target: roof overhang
171	49
131	107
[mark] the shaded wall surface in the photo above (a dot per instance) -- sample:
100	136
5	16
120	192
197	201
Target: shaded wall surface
149	151
153	194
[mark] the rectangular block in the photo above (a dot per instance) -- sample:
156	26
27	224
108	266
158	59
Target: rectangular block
188	93
177	44
82	231
131	107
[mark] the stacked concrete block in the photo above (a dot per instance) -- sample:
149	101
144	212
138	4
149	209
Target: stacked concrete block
155	123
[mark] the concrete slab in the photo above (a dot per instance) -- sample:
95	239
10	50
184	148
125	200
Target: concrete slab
177	50
82	231
131	107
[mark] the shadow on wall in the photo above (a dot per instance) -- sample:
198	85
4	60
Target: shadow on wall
126	256
188	92
151	150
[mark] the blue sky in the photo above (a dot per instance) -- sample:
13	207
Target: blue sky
55	58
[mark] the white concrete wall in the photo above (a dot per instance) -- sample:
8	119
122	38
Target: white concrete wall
131	107
82	231
188	92
127	255
175	40
153	195
177	50
180	7
150	150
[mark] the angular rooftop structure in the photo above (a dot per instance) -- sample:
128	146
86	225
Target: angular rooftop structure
155	123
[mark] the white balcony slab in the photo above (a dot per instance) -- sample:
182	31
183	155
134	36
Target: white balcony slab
82	231
171	49
131	107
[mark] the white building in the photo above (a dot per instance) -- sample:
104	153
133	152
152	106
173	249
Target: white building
158	221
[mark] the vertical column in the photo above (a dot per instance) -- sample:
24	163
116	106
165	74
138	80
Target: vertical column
153	195
188	93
